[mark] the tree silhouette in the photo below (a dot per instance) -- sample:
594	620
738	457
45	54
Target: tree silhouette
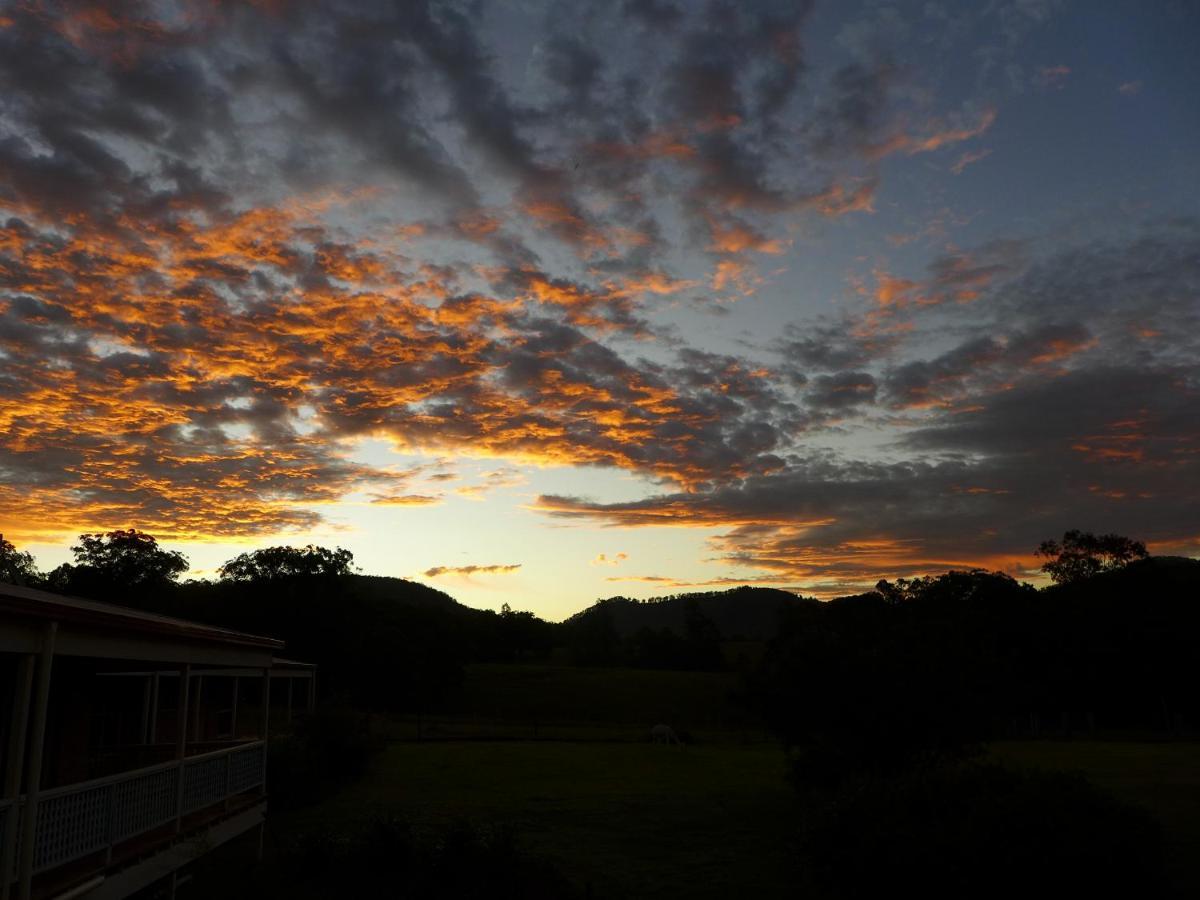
16	566
129	558
1082	555
284	562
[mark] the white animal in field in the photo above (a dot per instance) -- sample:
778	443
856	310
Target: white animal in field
664	734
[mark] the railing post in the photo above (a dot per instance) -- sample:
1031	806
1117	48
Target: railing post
33	782
18	727
112	823
196	705
185	676
228	777
146	710
153	711
233	732
266	723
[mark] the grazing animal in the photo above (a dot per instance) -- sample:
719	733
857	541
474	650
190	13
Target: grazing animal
664	734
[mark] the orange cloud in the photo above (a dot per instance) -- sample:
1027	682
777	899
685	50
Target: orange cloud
437	571
935	136
969	158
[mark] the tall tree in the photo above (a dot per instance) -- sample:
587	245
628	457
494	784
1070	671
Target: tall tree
128	558
16	566
1081	555
283	562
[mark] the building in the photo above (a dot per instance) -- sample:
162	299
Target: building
132	743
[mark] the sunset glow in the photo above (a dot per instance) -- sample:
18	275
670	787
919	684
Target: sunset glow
538	305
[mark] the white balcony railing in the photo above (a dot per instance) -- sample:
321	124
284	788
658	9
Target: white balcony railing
93	817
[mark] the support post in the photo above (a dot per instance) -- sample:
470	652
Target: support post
290	682
197	710
185	676
146	710
233	731
37	743
14	761
154	709
266	723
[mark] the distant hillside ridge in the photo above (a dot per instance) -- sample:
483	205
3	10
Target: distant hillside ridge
739	614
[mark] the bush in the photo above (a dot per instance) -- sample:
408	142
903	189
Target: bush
980	831
387	857
324	749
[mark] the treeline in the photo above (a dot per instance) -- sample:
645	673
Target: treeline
973	654
885	700
927	670
381	643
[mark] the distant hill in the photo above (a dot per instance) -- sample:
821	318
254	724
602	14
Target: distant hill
740	614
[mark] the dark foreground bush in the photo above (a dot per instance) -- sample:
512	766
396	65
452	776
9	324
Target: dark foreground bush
980	831
388	858
325	749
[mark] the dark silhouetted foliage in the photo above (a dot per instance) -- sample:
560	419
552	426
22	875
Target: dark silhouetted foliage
110	566
1082	555
591	637
288	562
17	566
382	643
918	673
518	636
323	749
742	613
979	831
680	631
388	857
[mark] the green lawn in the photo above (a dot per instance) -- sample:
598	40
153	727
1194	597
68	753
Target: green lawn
695	701
635	820
538	702
630	820
1163	778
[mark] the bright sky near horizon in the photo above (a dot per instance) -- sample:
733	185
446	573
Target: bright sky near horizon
540	302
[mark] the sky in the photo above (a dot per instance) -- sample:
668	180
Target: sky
538	303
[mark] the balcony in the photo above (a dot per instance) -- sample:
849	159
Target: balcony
132	744
109	819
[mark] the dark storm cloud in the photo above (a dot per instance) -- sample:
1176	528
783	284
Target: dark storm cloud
364	92
575	68
841	390
856	111
984	362
829	347
237	243
657	13
1076	410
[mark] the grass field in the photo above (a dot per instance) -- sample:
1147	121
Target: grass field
622	818
628	820
1161	777
635	820
547	702
625	820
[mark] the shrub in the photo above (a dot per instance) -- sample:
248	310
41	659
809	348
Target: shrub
980	831
328	747
387	857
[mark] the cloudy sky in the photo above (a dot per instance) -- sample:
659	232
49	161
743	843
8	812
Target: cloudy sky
542	302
